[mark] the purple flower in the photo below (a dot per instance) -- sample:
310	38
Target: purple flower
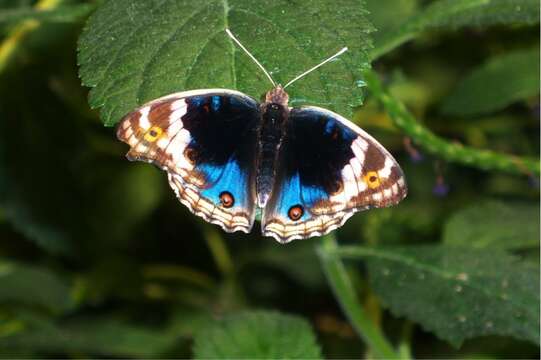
441	189
415	155
533	181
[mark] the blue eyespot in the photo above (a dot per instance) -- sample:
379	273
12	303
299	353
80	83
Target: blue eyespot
221	179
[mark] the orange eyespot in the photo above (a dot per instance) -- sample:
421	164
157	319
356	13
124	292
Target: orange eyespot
295	212
153	134
337	187
226	199
190	154
372	179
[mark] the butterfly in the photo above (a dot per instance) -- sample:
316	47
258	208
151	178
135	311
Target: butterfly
226	155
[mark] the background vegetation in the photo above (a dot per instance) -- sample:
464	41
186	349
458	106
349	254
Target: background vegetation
98	258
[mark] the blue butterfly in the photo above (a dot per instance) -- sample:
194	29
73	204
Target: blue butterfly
226	155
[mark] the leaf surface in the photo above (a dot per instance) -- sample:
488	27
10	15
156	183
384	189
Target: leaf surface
135	51
66	13
456	292
257	335
32	285
100	336
494	224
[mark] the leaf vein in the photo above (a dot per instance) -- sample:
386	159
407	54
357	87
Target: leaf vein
198	55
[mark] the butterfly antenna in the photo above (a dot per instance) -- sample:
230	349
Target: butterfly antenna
318	65
250	55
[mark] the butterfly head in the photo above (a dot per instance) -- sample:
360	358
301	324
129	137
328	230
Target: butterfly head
277	96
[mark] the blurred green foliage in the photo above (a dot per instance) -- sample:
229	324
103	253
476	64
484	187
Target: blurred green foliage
497	84
98	258
257	334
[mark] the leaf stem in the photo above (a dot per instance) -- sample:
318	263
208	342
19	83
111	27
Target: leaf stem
344	291
389	43
450	151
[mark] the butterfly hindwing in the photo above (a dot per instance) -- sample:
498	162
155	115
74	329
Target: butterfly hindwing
329	169
205	140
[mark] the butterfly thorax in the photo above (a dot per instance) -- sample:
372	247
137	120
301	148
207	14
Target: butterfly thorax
277	96
269	138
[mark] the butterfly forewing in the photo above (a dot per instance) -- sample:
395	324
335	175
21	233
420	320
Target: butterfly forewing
329	169
205	140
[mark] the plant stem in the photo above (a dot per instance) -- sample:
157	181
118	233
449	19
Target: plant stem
450	151
404	347
219	251
389	43
345	293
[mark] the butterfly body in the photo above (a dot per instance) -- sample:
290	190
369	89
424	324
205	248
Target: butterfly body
274	114
226	155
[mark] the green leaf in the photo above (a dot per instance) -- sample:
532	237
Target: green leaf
67	13
32	285
456	292
502	81
97	336
62	204
133	193
7	4
452	14
135	51
257	335
494	224
386	14
42	199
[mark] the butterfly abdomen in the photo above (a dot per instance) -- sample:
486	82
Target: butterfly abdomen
270	135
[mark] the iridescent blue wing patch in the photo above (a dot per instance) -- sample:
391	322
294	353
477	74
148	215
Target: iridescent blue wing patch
205	140
329	169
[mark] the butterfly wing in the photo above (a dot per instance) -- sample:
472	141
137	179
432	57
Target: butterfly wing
205	141
329	169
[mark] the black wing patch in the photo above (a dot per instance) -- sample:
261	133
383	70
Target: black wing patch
205	140
328	170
